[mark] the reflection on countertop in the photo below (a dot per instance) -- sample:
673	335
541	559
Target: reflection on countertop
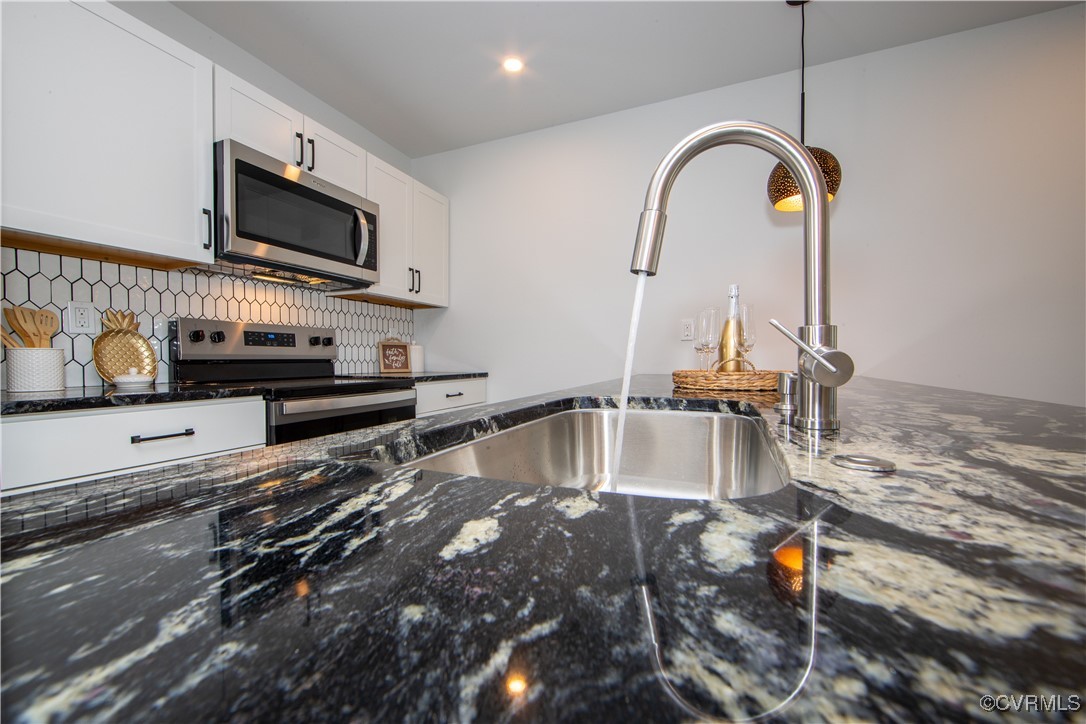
321	580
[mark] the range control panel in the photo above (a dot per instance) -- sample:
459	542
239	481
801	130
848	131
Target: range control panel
209	339
270	339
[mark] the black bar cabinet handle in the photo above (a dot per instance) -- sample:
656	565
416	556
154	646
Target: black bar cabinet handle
451	394
312	154
210	231
411	269
136	439
301	149
418	286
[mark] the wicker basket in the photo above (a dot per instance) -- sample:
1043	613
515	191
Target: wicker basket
757	397
697	380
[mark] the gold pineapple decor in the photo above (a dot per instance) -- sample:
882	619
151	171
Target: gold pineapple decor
120	347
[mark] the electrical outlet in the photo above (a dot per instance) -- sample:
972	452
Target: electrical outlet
80	318
686	330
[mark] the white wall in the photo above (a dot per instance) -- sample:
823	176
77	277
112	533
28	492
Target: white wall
958	249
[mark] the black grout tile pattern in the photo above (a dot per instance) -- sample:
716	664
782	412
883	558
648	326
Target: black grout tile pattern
49	281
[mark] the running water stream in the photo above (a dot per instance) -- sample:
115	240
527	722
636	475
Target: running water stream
623	400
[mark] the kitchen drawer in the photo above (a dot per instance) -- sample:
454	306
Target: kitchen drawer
446	395
49	449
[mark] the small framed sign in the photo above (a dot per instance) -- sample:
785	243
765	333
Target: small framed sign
394	356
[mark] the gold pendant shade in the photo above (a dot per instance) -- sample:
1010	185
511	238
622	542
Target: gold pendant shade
783	190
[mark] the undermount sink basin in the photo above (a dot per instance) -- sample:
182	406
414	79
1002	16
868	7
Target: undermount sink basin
666	454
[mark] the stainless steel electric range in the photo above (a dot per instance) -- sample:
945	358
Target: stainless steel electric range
296	367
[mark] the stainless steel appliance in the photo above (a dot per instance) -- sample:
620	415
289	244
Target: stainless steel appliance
276	219
295	365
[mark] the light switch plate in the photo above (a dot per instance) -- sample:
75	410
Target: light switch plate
80	318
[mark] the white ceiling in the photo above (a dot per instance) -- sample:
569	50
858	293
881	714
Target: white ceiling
424	76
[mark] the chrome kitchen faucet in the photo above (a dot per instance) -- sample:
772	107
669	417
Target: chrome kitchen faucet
822	368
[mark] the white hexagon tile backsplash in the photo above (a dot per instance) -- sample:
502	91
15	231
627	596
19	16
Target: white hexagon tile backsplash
48	281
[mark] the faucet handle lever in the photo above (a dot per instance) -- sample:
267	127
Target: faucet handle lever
804	346
837	372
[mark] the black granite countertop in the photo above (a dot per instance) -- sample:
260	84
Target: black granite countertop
427	376
322	581
86	398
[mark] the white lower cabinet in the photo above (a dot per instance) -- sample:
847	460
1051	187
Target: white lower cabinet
448	394
47	449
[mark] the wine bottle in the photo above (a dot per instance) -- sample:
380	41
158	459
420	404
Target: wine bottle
731	335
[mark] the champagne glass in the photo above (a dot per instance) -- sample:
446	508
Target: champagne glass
706	335
748	331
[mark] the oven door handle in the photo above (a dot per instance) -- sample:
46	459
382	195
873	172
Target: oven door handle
344	405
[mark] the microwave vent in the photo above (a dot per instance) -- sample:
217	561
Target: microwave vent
277	276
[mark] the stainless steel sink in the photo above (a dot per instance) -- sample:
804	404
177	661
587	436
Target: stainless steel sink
667	454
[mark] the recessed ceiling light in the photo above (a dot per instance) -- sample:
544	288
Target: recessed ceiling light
513	64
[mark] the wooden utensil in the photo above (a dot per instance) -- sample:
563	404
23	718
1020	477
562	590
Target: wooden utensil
48	325
29	319
9	341
21	322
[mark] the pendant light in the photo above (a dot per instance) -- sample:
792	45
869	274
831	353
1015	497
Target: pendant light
782	188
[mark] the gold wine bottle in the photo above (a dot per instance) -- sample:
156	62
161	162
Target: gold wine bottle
730	335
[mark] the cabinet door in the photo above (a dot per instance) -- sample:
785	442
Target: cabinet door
390	189
107	129
107	441
430	247
247	114
334	158
447	395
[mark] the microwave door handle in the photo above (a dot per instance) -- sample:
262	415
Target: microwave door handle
361	236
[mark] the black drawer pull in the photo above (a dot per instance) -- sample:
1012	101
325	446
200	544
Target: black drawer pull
456	394
136	439
301	149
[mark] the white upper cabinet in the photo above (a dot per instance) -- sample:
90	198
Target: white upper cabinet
414	238
247	114
334	158
390	188
430	247
107	131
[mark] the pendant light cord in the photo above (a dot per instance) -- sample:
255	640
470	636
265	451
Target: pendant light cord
803	73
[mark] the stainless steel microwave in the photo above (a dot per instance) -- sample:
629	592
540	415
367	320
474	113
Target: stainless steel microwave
275	218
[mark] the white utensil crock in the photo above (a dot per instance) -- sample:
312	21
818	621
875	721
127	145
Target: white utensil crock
35	369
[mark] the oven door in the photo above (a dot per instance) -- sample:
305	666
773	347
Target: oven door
272	214
300	419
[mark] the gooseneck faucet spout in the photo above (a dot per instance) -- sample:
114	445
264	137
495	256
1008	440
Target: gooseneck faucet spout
817	397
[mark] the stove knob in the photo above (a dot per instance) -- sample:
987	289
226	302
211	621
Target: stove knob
196	335
314	341
328	341
218	337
